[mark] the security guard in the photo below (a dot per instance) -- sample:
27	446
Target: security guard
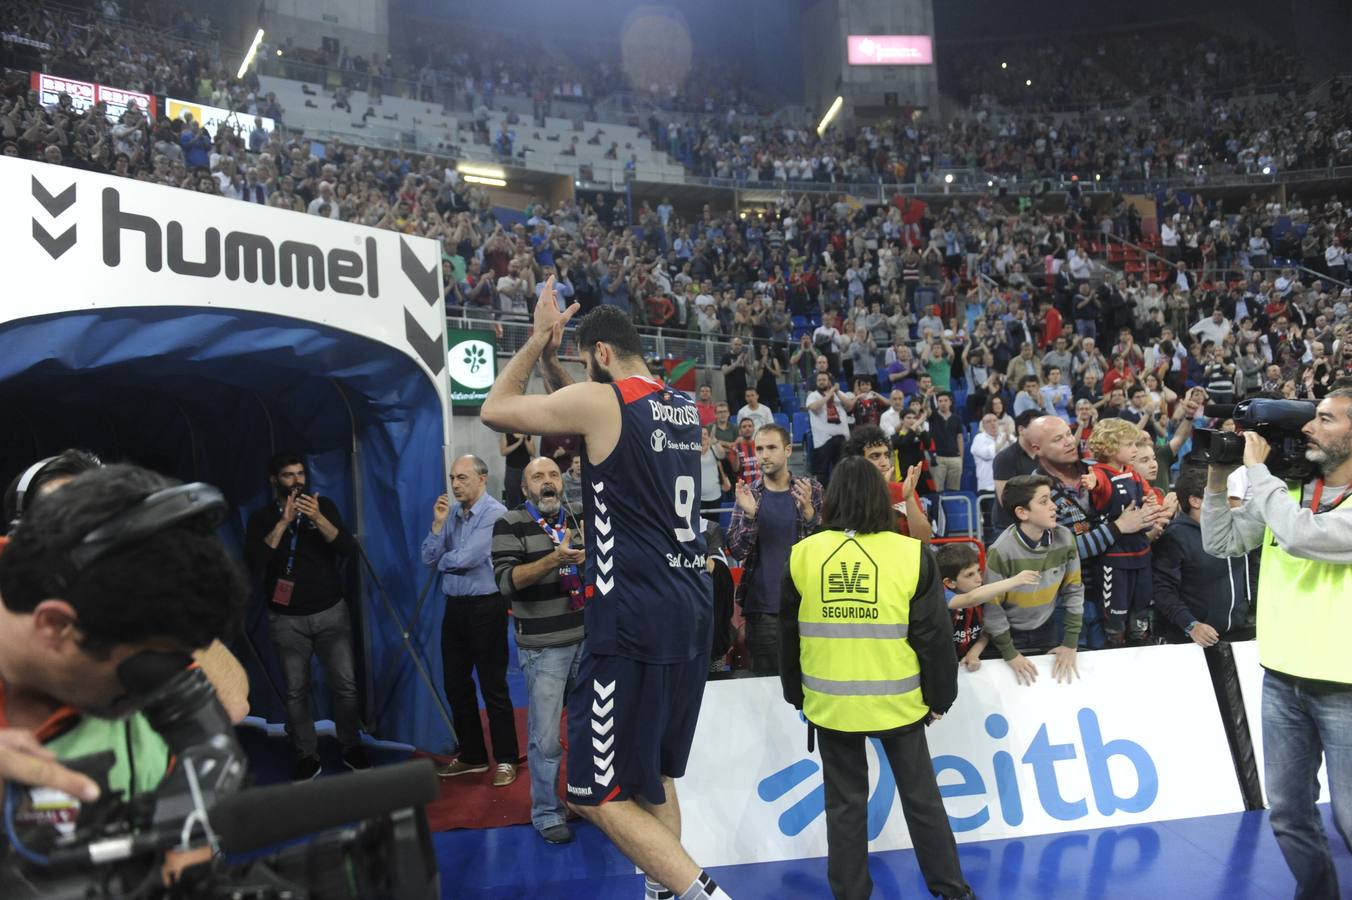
866	650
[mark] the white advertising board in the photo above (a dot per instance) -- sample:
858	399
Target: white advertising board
91	241
1251	686
1137	739
212	117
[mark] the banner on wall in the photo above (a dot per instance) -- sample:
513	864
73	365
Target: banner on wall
212	117
96	241
1251	687
890	49
84	94
1137	739
472	357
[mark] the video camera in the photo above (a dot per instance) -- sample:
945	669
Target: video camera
115	847
1278	421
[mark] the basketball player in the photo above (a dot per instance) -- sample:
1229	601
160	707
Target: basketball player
633	707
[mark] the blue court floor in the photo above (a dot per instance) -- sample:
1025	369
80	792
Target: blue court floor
1229	857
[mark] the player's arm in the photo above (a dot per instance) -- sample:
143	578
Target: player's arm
573	409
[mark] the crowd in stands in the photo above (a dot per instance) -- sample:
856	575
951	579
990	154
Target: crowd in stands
1103	71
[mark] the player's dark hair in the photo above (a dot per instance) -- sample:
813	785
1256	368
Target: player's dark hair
609	325
1020	490
178	583
857	499
953	558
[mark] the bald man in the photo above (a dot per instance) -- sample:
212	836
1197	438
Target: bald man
537	559
1057	454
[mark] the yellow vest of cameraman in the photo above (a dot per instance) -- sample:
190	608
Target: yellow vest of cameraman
1299	598
859	671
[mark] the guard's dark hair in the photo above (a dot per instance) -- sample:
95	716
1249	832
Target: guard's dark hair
1020	490
953	558
609	325
284	458
857	499
179	583
66	464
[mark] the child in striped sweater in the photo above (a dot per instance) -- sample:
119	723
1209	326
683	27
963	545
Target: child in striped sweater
1022	618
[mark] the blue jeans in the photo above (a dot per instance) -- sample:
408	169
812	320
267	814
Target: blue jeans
1298	728
548	671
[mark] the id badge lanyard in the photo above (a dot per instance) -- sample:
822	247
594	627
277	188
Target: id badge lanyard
286	585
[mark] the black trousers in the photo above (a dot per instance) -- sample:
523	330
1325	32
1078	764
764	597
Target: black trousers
762	642
474	639
845	771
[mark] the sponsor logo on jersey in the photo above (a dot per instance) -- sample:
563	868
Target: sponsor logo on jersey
659	442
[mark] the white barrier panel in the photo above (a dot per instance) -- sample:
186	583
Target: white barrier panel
92	241
1251	686
1137	739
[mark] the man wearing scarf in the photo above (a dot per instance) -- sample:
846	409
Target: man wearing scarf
537	559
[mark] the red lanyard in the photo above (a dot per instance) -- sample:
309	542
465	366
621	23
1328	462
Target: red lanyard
1319	491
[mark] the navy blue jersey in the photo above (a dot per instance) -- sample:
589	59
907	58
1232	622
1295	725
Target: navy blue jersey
649	596
1115	491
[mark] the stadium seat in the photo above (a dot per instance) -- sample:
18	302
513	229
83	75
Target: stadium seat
782	421
801	426
788	398
961	513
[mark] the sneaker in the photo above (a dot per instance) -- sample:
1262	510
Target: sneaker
355	758
557	834
456	767
307	767
504	775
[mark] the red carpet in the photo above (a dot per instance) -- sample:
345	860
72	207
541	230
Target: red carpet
471	801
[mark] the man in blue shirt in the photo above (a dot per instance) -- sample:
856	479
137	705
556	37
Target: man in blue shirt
474	628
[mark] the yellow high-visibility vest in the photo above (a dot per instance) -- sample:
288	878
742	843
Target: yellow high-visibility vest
1302	604
859	671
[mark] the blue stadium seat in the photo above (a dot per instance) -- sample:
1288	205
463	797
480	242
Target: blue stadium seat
788	398
800	427
781	420
961	514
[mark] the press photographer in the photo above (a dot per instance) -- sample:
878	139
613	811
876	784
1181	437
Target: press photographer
1305	581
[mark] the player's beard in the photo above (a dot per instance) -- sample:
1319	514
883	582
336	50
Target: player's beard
597	372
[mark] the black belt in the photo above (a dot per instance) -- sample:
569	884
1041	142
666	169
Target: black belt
452	597
548	624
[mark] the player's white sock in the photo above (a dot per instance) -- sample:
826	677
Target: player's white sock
655	890
704	888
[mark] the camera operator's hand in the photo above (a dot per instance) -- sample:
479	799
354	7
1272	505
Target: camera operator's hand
1256	449
25	761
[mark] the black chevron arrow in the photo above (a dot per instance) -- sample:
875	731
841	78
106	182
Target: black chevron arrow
428	348
425	280
55	205
55	246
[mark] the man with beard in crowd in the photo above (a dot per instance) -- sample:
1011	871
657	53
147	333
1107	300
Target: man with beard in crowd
536	560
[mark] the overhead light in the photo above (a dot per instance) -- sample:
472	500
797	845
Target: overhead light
1267	170
482	171
1004	65
249	57
1028	82
990	182
948	179
279	51
830	114
1098	177
483	179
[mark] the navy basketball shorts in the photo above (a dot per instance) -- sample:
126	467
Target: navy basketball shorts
1126	591
630	723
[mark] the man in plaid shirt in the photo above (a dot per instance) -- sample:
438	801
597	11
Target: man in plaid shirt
772	514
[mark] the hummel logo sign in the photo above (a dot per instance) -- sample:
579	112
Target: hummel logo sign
55	205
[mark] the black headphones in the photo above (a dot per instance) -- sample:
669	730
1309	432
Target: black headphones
155	513
25	482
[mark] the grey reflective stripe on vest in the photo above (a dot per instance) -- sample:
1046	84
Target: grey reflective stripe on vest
860	688
850	630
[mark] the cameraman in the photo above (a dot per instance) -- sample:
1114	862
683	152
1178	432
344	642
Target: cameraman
294	546
1304	616
65	630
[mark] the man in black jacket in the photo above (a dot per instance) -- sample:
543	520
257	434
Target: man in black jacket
1199	596
294	546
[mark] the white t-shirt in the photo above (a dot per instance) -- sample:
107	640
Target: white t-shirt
761	415
823	430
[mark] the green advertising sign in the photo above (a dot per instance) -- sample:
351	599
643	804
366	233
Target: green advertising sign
472	360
